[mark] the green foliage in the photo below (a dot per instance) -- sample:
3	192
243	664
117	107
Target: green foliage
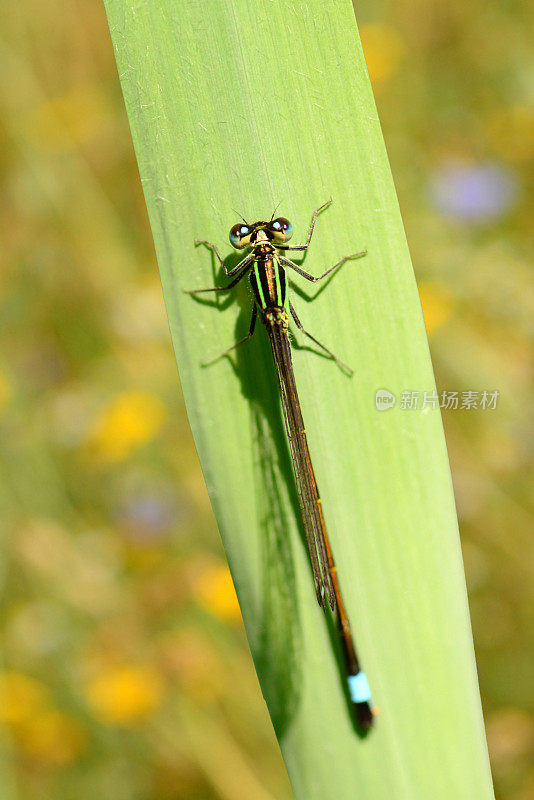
240	104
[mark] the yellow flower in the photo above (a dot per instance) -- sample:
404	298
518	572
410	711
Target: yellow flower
39	730
21	697
127	422
437	305
125	695
52	737
214	589
5	391
384	49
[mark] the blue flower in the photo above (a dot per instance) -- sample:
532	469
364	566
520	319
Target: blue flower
474	192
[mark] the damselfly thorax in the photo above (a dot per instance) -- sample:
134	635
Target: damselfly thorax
267	277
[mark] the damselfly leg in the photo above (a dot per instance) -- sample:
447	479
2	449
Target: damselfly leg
344	367
310	232
249	335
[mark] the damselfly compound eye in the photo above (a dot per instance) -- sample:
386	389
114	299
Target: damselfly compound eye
239	236
282	229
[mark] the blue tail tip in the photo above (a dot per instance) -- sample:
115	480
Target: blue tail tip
359	688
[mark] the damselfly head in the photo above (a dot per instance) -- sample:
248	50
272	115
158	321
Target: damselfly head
243	235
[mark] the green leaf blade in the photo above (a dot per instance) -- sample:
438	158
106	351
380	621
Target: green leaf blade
242	104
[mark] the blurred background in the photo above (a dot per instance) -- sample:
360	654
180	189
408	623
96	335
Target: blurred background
125	671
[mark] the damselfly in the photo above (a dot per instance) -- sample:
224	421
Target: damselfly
265	265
